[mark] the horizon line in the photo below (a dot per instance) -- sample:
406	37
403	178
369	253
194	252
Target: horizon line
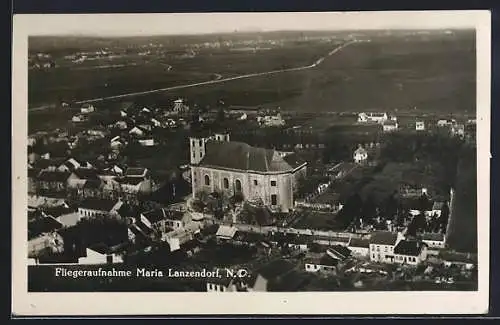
109	35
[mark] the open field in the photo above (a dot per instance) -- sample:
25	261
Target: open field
387	73
384	74
132	73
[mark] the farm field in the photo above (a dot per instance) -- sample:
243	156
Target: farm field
132	73
434	73
394	75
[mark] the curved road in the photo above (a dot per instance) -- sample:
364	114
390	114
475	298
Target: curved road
251	75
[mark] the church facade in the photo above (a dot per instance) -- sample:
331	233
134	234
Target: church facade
228	167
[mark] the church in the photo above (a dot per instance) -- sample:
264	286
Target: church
229	167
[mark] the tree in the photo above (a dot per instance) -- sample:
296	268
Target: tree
369	209
221	115
351	210
391	206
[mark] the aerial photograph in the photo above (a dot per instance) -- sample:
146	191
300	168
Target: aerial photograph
253	160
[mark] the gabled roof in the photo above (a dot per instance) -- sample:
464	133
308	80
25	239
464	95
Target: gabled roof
358	242
86	173
433	236
384	238
226	231
154	215
458	257
409	247
131	180
135	171
53	176
92	184
327	261
339	252
98	204
43	225
241	156
390	123
174	215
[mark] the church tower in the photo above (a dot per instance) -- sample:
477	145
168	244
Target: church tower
197	146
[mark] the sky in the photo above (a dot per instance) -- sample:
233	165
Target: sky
197	23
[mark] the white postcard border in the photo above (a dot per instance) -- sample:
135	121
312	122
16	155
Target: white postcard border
320	303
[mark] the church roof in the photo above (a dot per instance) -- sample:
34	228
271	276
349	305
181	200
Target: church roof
241	156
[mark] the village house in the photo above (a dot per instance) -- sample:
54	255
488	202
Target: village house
47	163
175	219
149	142
219	165
360	155
56	181
72	164
145	110
37	201
47	242
409	191
372	117
92	189
382	246
330	240
434	240
97	133
102	254
87	108
410	252
111	188
116	143
120	125
137	131
32	180
389	126
324	264
465	261
80	175
154	219
420	126
180	107
435	212
79	118
133	187
224	284
156	123
446	122
225	233
95	207
271	120
458	130
147	126
278	275
137	172
42	224
359	247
